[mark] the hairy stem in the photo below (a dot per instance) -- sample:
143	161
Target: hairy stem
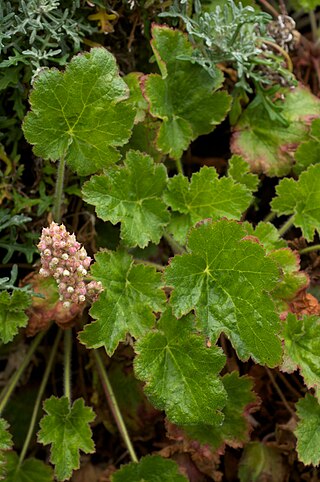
269	217
176	247
16	377
287	225
56	212
179	166
113	404
309	249
39	398
67	363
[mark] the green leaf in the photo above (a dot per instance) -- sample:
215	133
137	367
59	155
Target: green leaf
131	195
205	196
67	429
239	170
12	313
143	139
80	114
226	280
234	430
267	234
151	468
136	97
260	462
5	445
307	431
267	146
308	4
183	95
293	280
301	199
132	293
302	348
308	152
287	260
31	470
170	361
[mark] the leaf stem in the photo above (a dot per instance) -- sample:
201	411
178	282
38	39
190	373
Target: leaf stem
176	247
67	363
269	217
269	7
16	377
179	166
39	398
114	407
287	225
315	247
314	27
56	212
279	391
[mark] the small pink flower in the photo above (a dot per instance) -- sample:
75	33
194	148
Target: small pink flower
63	258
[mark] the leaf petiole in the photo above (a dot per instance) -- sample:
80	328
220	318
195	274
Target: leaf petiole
39	398
56	212
287	225
309	249
114	407
67	363
5	395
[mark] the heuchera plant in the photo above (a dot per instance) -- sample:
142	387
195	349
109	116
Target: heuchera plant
227	282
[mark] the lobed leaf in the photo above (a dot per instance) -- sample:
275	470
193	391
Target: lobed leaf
260	462
79	114
227	279
131	195
183	96
293	280
302	348
205	196
308	152
67	429
5	445
151	468
31	470
12	313
267	234
180	372
132	293
234	429
239	171
301	199
307	431
267	146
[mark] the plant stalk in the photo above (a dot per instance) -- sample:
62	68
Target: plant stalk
279	391
269	217
287	225
179	166
114	407
309	249
39	398
67	363
314	27
16	377
176	247
56	212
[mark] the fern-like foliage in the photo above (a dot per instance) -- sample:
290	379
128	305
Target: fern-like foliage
237	36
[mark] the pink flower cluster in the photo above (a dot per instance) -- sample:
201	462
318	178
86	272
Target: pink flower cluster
63	258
